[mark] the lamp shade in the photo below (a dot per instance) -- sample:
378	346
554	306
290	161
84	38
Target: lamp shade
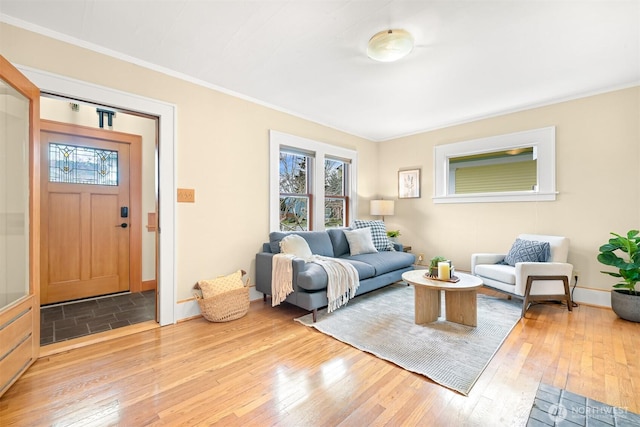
381	207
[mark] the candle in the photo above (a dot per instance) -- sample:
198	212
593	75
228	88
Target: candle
443	271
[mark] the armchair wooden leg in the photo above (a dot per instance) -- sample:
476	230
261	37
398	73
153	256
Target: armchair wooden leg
528	298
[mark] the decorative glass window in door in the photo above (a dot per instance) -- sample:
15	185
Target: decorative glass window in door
82	165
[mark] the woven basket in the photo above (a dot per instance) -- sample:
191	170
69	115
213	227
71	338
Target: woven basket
224	307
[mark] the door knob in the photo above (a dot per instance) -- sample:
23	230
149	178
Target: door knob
123	225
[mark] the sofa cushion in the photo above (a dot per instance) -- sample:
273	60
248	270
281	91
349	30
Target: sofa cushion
500	272
528	251
295	245
318	241
360	241
339	241
378	233
314	277
384	262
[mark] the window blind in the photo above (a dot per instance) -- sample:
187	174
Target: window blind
517	176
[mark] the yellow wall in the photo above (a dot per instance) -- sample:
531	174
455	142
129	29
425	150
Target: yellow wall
222	152
597	174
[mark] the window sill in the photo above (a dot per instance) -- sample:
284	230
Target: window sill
503	197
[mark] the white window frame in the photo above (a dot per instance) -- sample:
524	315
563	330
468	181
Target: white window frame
321	151
544	142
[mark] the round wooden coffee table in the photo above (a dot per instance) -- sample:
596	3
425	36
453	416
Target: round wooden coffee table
460	297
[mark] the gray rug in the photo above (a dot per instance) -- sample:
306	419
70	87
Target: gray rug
453	355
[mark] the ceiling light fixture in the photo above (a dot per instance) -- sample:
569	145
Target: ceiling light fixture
390	45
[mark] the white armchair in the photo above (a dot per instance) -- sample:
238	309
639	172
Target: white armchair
529	281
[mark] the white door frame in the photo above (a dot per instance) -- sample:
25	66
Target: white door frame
65	86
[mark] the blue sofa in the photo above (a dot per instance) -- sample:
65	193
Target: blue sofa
375	270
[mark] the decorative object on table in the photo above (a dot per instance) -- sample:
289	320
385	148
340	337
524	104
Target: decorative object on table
409	184
224	298
450	354
444	270
381	207
622	252
452	279
433	265
393	235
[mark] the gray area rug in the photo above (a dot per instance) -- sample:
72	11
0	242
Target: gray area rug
382	323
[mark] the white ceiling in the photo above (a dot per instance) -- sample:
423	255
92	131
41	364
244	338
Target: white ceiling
472	59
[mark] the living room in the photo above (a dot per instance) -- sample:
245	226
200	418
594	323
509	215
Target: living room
220	135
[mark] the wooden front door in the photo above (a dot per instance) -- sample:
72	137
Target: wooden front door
87	220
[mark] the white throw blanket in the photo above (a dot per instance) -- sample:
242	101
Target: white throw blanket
281	277
342	282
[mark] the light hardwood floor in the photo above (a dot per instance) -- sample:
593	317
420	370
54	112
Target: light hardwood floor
266	369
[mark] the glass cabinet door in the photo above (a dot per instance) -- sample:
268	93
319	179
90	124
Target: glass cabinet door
19	219
14	195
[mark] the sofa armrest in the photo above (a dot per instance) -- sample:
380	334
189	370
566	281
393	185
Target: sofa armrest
264	262
398	246
485	258
526	269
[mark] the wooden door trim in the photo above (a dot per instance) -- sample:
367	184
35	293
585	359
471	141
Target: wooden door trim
31	302
135	186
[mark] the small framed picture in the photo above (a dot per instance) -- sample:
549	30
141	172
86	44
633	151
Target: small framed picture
409	184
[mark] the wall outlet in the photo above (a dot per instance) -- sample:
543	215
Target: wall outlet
420	259
186	195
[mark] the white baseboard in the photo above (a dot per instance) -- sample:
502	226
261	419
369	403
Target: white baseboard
187	309
595	297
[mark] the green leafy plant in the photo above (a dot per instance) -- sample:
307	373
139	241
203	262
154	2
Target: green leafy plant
622	252
433	265
435	260
393	233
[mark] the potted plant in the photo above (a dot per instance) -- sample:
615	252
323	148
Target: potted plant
393	235
433	265
622	252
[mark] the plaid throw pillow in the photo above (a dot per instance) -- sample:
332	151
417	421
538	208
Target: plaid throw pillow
378	234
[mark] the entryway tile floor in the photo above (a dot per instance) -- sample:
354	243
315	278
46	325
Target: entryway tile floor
63	322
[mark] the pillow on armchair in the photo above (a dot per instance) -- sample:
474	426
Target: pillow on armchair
527	251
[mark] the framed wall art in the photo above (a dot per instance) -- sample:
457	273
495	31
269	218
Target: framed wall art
409	184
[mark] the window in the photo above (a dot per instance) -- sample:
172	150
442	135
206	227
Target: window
295	197
500	171
311	184
513	167
336	199
82	165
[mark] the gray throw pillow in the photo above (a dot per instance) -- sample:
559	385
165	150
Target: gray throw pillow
528	251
